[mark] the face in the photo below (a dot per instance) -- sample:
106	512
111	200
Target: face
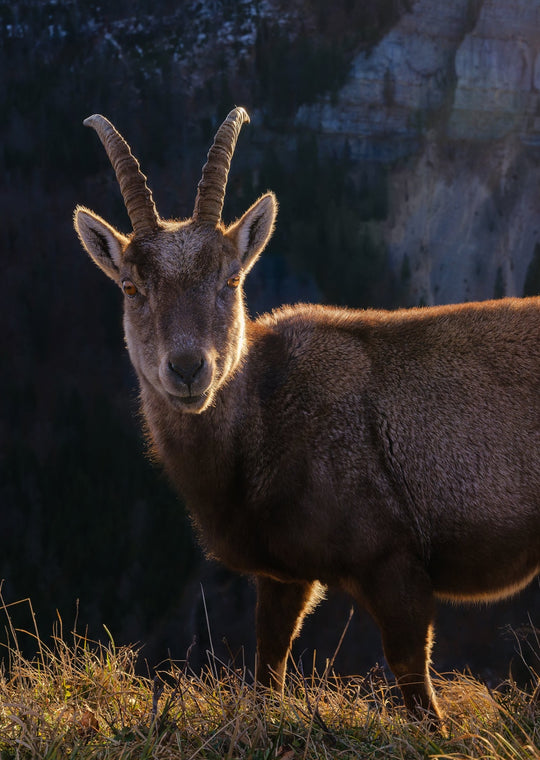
183	313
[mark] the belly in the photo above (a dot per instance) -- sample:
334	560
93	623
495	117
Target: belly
479	572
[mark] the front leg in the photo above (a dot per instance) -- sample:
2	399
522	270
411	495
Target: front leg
281	609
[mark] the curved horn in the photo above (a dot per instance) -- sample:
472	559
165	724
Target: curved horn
135	192
211	188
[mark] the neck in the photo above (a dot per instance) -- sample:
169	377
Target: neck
203	455
196	450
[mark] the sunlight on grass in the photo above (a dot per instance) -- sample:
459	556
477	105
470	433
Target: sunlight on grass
81	699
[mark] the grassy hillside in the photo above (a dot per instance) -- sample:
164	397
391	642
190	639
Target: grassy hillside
82	700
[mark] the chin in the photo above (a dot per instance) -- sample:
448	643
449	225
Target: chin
190	404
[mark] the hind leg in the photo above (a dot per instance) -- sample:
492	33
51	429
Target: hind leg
281	609
400	598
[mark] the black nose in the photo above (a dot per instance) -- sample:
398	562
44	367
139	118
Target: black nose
186	367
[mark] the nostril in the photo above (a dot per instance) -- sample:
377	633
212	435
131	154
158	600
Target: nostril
186	367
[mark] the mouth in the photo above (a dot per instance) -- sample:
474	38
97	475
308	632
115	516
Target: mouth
193	400
193	403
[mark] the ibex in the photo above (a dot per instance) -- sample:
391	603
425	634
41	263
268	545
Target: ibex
392	454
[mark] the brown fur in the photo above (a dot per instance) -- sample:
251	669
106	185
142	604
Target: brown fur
393	454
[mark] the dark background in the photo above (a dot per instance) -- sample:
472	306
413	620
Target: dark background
90	531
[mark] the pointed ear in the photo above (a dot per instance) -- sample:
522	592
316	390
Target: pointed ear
253	230
104	244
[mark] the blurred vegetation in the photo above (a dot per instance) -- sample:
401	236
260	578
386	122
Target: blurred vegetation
499	289
328	222
293	72
532	278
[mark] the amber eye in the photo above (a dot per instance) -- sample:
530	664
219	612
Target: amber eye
129	288
234	281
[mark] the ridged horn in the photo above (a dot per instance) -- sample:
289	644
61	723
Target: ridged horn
135	192
211	188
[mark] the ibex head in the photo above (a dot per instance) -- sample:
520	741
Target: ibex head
184	315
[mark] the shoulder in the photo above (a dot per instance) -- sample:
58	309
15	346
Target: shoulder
306	344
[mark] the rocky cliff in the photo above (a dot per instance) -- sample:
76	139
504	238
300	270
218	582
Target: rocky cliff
449	100
435	103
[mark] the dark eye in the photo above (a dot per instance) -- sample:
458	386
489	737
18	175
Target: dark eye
129	288
234	281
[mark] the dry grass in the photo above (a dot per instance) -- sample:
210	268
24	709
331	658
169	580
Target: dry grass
78	699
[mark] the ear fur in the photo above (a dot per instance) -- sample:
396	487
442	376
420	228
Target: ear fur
253	230
104	244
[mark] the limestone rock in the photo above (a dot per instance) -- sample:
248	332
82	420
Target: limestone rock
449	100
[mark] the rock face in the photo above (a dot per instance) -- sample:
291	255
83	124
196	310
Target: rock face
464	221
391	88
496	68
448	100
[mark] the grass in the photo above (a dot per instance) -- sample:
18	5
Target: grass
79	699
